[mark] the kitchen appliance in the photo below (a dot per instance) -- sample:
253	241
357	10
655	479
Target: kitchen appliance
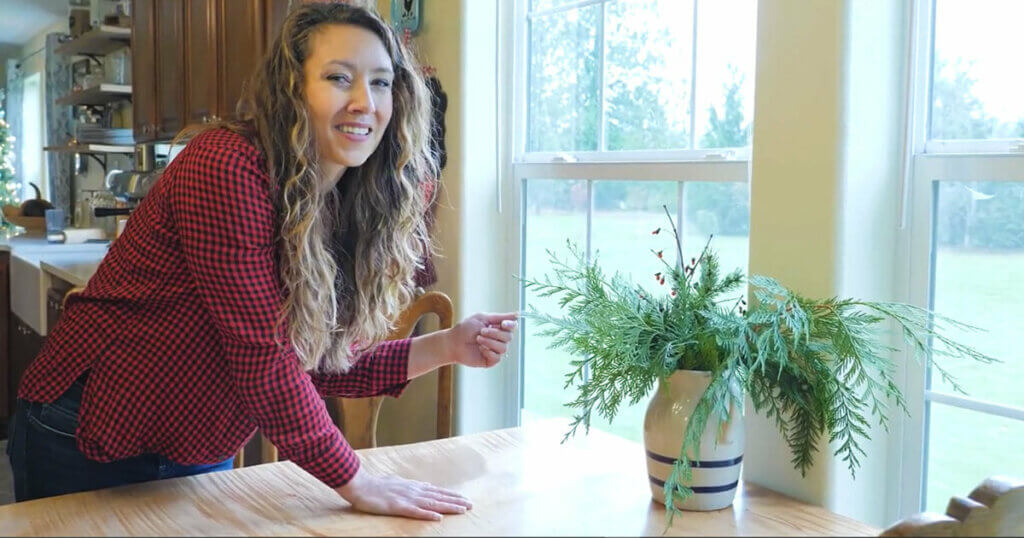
132	185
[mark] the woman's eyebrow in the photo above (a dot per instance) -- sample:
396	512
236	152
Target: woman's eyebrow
350	65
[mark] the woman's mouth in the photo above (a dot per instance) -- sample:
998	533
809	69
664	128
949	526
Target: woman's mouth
356	133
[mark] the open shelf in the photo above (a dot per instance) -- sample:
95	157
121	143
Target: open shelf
98	41
97	95
91	148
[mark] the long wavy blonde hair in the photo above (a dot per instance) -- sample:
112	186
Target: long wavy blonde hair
348	255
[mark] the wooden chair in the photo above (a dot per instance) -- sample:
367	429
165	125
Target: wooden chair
994	508
357	417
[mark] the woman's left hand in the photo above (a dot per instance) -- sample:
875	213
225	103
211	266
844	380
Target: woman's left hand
481	340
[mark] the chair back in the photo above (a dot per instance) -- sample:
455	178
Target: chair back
994	508
357	417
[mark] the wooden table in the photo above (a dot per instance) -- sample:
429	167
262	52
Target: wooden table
521	481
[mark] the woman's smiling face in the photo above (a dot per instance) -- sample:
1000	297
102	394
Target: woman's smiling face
348	94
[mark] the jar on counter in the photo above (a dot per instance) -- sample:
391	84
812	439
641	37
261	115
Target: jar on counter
104	199
83	209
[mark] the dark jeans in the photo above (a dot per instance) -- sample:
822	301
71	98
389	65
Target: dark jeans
46	461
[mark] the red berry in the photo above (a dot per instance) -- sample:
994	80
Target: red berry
660	253
655	232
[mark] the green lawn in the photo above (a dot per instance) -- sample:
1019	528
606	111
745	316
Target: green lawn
981	288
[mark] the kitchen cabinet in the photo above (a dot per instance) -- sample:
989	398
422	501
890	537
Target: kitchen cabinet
276	11
143	70
23	346
240	45
170	67
201	60
200	54
6	410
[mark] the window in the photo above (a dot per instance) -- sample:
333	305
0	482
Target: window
624	107
967	236
33	165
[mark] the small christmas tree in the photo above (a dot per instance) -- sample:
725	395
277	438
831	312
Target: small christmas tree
9	187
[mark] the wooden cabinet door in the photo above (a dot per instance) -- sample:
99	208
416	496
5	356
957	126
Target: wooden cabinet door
200	61
25	344
240	42
276	11
6	410
143	70
170	67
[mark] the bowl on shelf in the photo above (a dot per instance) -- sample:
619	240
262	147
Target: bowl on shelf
12	214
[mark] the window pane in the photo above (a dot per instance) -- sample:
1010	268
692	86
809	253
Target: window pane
648	58
974	93
562	91
964	448
555	212
979	280
726	32
721	209
625	213
540	5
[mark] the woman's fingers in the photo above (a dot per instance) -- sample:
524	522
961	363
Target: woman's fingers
496	346
497	334
457	501
440	507
490	357
415	512
498	319
449	495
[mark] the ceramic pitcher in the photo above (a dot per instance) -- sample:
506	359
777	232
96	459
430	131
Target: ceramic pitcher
716	474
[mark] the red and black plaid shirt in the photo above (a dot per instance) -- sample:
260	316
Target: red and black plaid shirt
177	330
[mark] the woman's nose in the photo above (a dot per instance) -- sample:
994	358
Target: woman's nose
361	100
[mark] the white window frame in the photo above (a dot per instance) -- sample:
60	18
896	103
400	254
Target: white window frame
677	165
928	162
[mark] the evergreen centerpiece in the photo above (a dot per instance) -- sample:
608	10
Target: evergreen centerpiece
817	367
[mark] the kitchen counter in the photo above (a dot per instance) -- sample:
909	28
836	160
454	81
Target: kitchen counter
76	269
29	281
34	243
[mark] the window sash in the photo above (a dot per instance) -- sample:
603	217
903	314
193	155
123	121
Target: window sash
927	162
927	171
524	19
535	173
678	165
636	171
920	83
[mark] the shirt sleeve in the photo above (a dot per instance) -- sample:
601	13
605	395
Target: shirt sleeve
224	213
384	370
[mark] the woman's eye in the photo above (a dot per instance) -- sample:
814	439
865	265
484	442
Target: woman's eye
339	78
382	83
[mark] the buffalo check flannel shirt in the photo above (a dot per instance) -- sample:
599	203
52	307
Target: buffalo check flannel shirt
176	329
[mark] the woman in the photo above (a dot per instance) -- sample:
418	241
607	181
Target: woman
258	275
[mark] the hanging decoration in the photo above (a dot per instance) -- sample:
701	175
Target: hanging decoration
405	15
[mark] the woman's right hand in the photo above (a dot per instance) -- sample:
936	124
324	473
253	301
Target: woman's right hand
396	496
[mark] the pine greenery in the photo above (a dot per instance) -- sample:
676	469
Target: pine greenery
9	184
816	367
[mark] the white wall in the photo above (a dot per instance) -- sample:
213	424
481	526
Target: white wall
824	191
457	38
7	51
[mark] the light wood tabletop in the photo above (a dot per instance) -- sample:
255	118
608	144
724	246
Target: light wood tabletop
521	482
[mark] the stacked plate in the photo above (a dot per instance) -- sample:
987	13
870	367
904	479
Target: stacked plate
89	133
